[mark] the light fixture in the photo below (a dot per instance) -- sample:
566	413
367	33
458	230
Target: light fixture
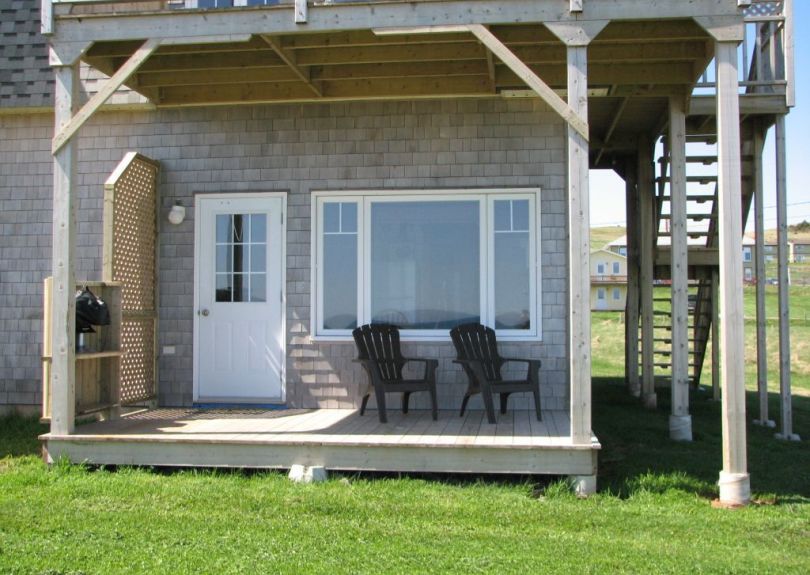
177	214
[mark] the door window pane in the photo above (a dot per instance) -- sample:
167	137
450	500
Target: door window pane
425	263
224	287
258	258
241	254
258	287
258	228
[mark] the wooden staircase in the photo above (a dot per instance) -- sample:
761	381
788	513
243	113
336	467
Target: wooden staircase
702	238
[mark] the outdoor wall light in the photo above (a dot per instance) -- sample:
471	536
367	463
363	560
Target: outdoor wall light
177	214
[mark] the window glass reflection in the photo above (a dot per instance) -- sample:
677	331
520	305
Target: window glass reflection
425	263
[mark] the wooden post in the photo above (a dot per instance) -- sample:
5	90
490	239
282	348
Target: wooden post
786	429
759	269
63	306
680	422
579	251
631	347
735	487
646	208
715	334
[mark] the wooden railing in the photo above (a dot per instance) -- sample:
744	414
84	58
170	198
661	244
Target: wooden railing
766	52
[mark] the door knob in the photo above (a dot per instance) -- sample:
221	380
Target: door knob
204	312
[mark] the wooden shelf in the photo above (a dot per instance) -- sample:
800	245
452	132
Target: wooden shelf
80	355
97	374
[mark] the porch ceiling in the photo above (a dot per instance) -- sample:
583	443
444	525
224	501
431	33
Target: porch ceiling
633	66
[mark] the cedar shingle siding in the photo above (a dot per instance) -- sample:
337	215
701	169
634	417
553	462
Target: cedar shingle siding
293	148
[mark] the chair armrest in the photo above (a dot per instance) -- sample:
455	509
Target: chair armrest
430	365
520	360
533	367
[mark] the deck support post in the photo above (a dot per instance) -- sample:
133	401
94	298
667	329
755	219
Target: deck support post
786	420
680	422
646	208
715	334
576	36
735	487
759	272
63	304
631	309
583	485
579	251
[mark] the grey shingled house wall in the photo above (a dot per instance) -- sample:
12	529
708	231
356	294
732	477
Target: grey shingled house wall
293	148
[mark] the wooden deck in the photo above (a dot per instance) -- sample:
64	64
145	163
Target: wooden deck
335	438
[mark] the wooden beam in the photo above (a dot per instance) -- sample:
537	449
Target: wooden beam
214	77
759	272
617	115
734	480
46	18
785	399
491	69
674	76
220	61
647	249
680	422
631	315
301	12
790	49
357	16
400	70
289	59
63	304
107	90
184	96
578	122
358	38
579	285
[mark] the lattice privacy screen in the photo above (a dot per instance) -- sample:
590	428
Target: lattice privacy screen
130	255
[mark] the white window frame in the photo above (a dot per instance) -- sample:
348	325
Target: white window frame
486	199
617	268
600	269
617	294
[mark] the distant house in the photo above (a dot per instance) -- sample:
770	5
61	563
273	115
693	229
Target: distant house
799	251
619	247
608	280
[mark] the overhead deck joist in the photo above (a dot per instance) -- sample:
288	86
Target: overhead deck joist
625	57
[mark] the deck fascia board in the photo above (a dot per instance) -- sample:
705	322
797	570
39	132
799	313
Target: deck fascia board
563	460
334	438
356	16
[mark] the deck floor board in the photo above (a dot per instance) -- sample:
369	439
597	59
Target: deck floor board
339	426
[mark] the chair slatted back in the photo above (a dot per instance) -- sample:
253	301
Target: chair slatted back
474	341
380	343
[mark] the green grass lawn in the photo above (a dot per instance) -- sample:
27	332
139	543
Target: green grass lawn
653	513
652	516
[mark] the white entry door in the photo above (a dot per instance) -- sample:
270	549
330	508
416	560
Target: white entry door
239	317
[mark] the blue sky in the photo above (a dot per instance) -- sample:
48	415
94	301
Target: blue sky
607	189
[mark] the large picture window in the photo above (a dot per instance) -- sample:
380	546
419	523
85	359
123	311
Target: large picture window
426	261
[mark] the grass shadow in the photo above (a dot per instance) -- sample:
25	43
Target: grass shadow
20	435
638	456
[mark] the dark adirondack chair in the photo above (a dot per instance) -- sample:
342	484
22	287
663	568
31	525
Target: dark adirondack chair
478	354
378	352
